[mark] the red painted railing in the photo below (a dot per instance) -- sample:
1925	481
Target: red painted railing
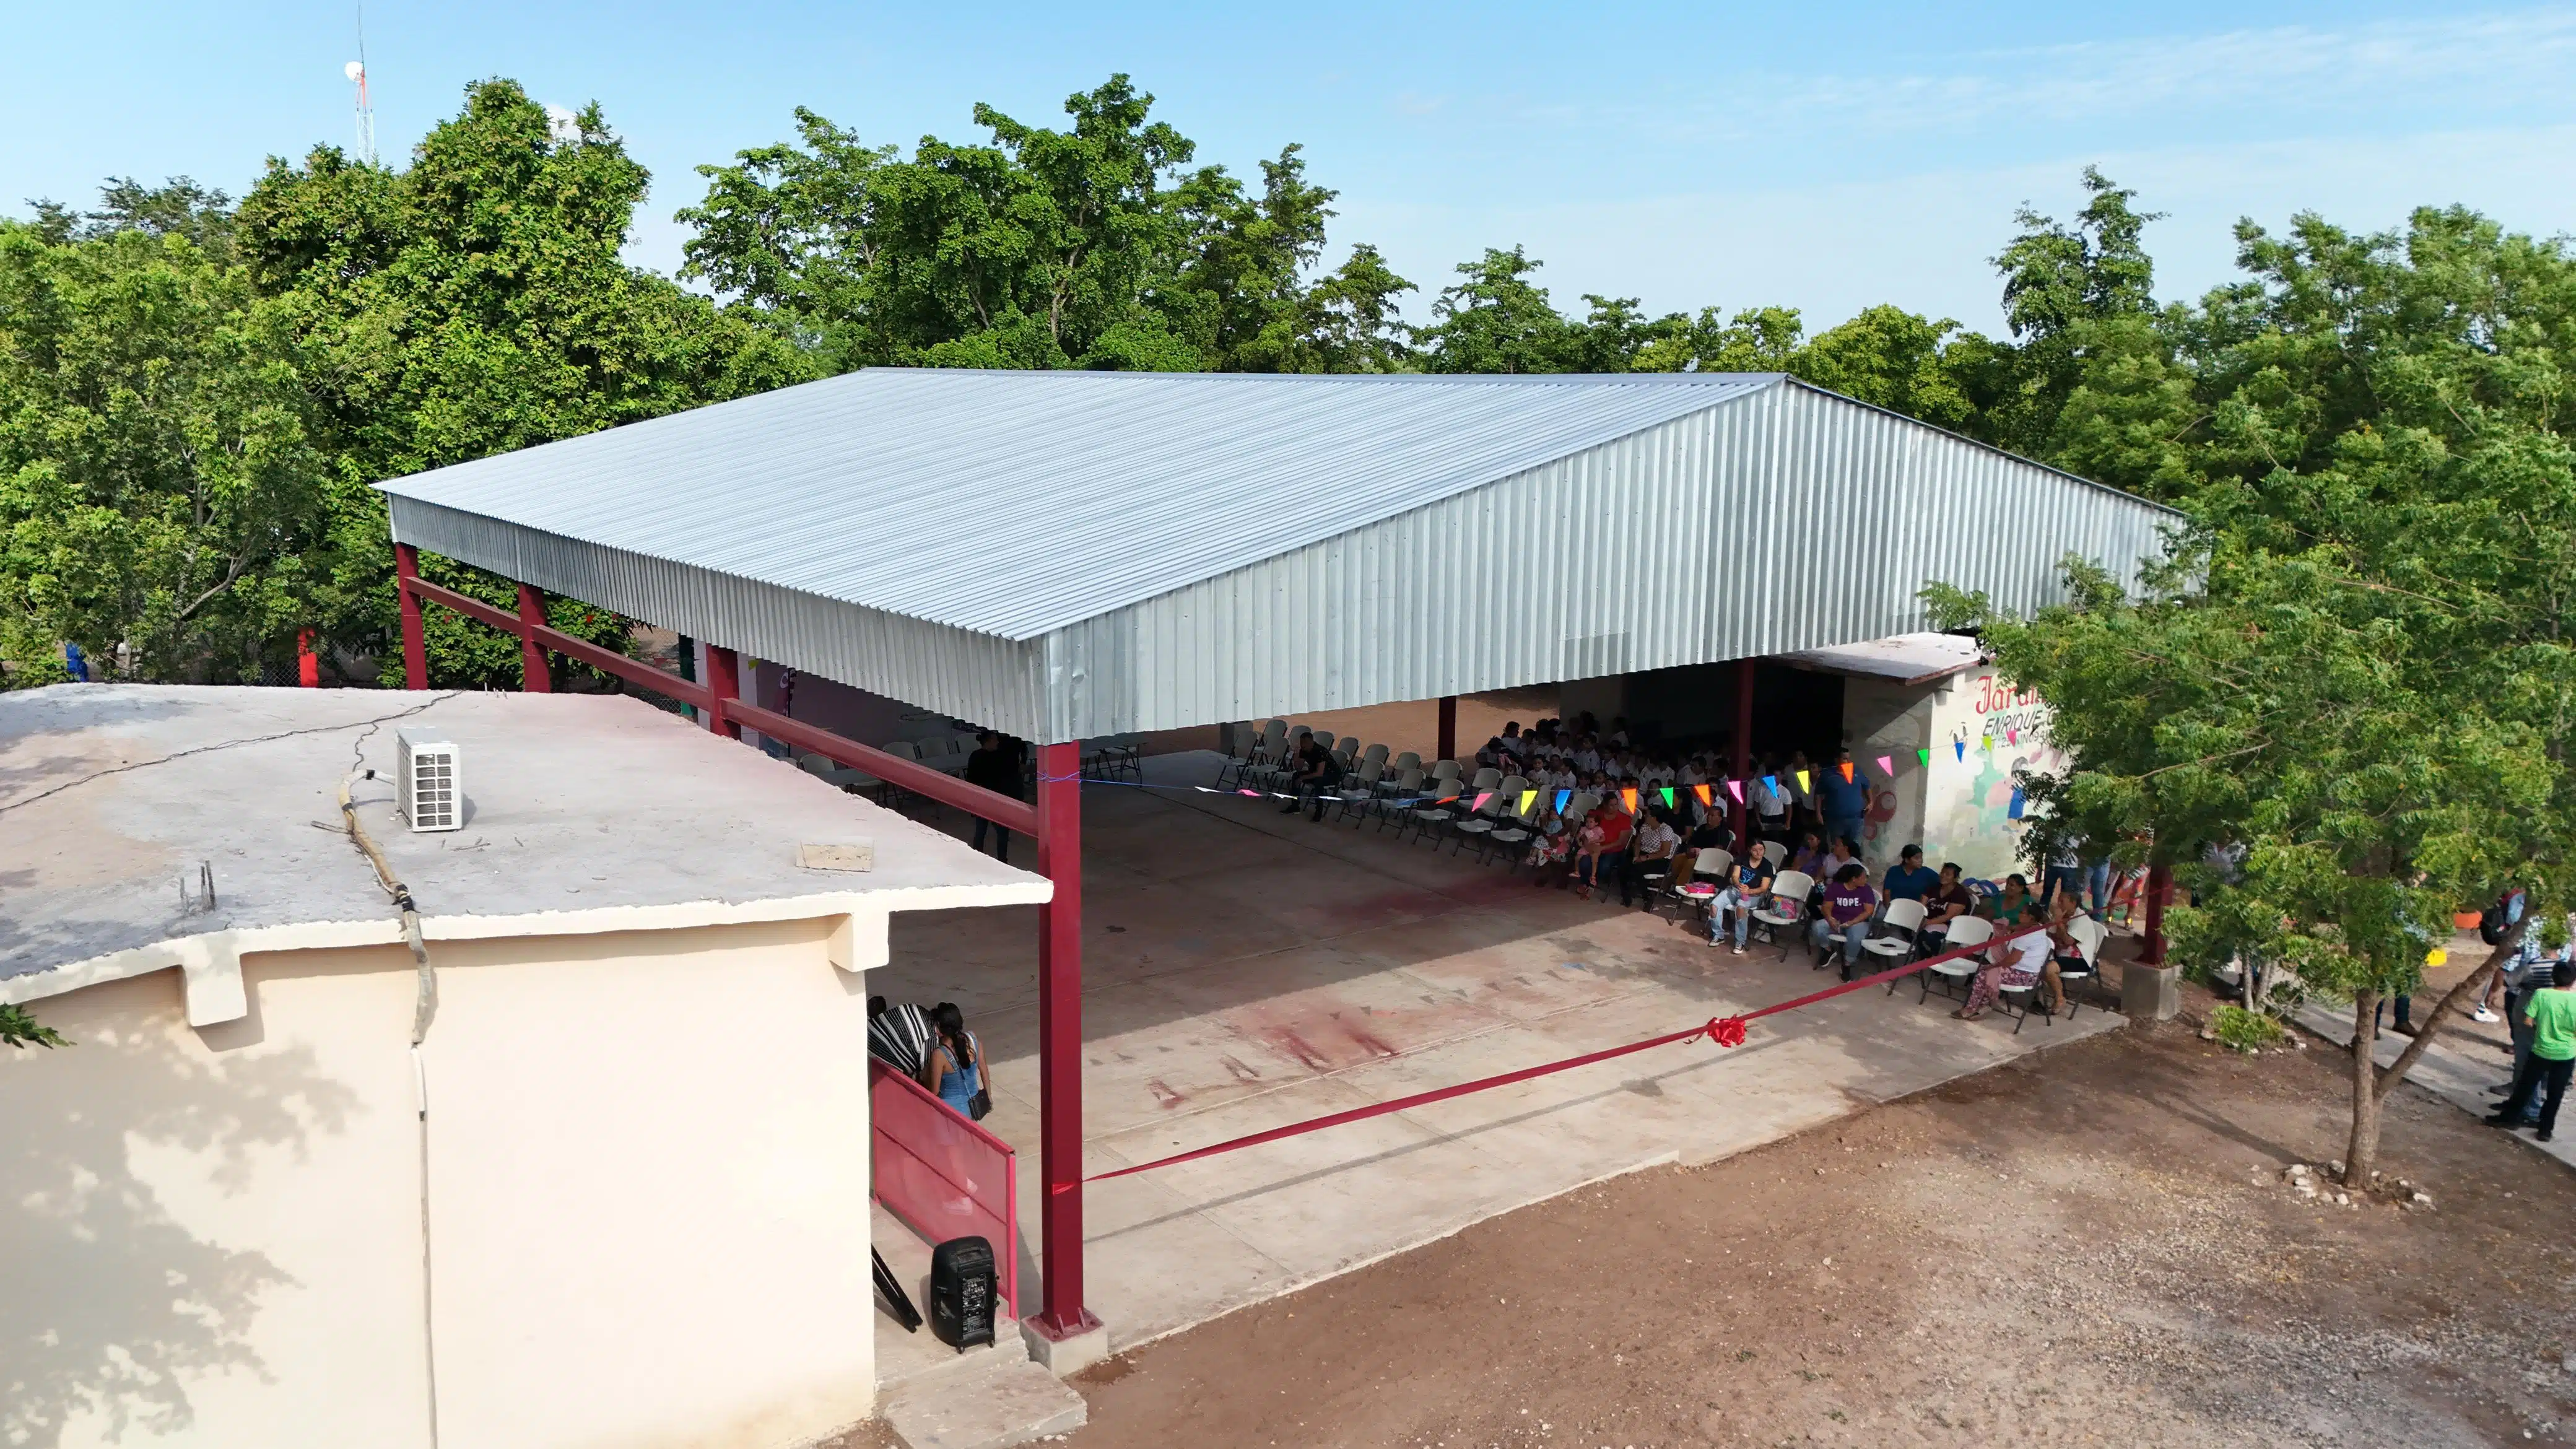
942	1174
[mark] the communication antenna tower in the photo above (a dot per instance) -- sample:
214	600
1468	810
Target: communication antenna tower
356	71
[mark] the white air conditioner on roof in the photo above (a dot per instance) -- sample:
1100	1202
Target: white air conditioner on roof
429	788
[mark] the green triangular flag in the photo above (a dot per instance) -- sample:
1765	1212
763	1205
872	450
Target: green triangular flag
1923	758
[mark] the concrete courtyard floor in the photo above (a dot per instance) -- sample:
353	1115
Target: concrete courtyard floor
1245	969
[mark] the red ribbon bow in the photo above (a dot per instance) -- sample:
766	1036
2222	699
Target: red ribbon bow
1726	1031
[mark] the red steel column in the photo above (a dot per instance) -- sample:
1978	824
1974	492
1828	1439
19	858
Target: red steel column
2159	886
724	681
1448	727
534	676
1744	752
1060	1040
415	643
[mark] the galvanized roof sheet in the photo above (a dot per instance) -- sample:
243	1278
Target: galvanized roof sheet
1015	503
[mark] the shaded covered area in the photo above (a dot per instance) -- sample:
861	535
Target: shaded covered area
1079	559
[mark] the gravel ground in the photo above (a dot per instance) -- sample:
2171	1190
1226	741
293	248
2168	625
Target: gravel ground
2093	1245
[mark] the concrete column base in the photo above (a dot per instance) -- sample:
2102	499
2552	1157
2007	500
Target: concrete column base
2150	993
1070	1354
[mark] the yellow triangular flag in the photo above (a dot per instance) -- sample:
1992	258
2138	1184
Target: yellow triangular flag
1528	798
1802	782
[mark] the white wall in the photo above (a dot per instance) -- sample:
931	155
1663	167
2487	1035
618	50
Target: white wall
648	1160
1981	733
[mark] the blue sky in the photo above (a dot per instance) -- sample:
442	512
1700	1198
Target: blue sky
1824	157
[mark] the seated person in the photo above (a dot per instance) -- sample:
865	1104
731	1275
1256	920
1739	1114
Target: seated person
1910	879
1810	859
1848	906
2013	962
1601	846
1650	851
2006	907
1949	900
1845	851
1746	886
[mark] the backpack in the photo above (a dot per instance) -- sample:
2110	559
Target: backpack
2497	919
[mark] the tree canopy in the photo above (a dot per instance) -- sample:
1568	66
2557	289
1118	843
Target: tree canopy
2343	712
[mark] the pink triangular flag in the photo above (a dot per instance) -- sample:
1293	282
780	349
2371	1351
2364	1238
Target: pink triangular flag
1481	799
1886	766
1736	789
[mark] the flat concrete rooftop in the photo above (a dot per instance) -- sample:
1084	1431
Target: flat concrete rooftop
582	813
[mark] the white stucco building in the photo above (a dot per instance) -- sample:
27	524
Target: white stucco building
636	1208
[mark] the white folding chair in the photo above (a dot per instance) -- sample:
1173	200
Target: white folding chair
1785	909
1359	789
1964	932
1481	818
1903	924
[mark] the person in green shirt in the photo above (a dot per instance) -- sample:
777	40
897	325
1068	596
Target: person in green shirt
2552	1014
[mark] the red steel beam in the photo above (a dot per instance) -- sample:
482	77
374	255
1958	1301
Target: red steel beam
606	661
897	771
1059	837
535	677
407	596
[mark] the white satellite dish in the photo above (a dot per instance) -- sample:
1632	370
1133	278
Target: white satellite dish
354	70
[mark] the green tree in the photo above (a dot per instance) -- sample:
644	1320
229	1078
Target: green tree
2062	285
1494	319
163	493
471	304
2357	683
1099	246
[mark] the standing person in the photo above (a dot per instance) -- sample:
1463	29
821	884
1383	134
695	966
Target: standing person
995	765
1653	845
954	1068
2552	1014
2527	975
1747	884
1849	903
1768	802
1803	795
1843	795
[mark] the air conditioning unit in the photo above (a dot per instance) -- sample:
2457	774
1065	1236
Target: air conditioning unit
428	784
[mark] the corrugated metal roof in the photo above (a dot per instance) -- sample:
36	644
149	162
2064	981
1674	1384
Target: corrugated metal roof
1016	503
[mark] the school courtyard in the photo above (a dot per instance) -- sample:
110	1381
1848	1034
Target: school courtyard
1249	969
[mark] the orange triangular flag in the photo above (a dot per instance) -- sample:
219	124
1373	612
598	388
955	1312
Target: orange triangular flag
1845	767
1628	797
1702	792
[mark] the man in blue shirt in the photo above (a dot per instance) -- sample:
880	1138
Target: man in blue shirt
1843	797
1910	879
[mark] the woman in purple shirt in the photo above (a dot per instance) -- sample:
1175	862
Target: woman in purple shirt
1848	905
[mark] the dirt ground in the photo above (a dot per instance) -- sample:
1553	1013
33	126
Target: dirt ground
2092	1245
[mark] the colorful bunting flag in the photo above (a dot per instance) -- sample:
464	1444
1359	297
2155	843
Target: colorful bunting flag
1923	757
1846	768
1528	798
1482	797
1771	783
1255	794
1886	766
1736	789
1961	746
1628	797
1561	797
1802	782
1702	791
1668	797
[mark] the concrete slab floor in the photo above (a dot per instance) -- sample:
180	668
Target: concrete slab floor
1245	969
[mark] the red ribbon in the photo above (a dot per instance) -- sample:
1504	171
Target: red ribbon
1726	1031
